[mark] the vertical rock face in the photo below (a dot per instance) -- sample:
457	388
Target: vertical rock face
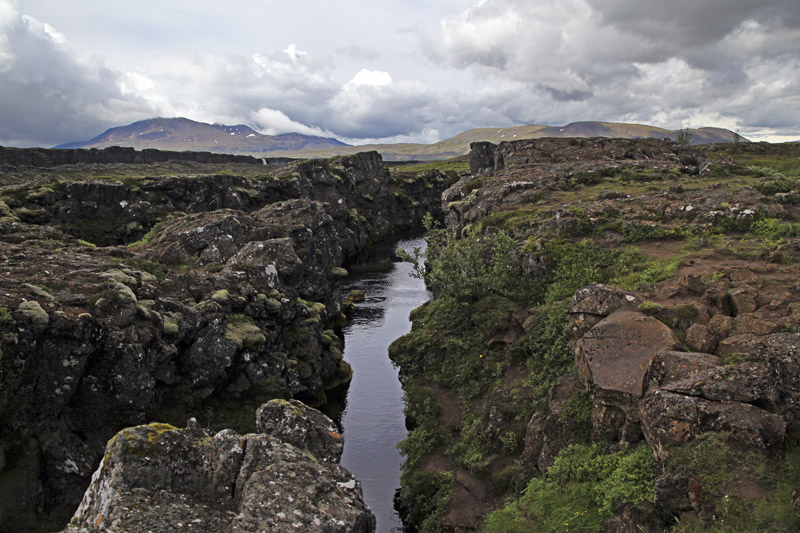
230	299
612	359
159	478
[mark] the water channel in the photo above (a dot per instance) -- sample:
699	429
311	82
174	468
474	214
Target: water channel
372	420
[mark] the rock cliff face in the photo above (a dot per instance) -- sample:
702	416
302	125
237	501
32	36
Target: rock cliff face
645	295
159	478
140	299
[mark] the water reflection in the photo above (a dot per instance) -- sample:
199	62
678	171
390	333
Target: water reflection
373	421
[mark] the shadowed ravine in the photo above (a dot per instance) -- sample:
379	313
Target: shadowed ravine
373	418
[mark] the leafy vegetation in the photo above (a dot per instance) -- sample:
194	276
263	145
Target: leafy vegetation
470	268
581	490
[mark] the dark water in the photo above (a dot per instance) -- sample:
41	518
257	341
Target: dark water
373	421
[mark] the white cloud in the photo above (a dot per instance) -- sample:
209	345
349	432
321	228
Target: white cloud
733	63
617	60
274	122
375	78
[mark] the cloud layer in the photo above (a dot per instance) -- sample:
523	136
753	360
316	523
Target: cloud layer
728	63
49	95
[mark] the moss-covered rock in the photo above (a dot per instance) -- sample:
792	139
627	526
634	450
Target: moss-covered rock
32	313
244	333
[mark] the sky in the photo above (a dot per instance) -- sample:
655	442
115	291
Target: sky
397	71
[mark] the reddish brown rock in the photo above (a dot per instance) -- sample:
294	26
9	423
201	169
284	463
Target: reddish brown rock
694	284
594	302
701	338
750	323
612	359
616	353
750	382
721	325
745	344
743	301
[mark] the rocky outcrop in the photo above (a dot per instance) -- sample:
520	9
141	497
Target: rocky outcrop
230	297
642	387
549	433
160	478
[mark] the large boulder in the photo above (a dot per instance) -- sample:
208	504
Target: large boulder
295	423
693	395
615	354
670	419
159	478
612	359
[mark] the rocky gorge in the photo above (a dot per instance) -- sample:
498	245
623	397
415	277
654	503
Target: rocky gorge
153	292
612	345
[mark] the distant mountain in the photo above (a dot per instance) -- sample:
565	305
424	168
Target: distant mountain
183	134
459	145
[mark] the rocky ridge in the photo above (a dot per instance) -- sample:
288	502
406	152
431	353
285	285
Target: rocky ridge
651	287
160	298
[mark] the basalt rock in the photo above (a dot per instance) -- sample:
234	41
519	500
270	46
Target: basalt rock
593	303
159	478
612	359
229	298
548	433
40	157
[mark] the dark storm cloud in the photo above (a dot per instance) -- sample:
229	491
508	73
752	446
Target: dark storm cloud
49	96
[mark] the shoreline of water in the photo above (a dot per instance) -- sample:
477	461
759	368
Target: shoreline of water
372	419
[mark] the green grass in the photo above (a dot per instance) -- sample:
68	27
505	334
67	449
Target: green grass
457	164
717	467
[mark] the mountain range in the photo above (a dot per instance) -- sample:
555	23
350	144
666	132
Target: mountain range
184	134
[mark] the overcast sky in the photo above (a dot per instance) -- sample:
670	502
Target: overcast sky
397	70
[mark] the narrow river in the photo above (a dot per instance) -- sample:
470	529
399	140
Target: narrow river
372	420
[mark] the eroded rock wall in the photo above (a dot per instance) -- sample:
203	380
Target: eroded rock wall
232	298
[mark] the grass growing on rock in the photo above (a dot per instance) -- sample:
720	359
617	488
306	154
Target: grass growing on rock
741	489
582	489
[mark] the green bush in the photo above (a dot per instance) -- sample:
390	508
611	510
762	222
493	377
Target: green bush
470	268
773	230
577	264
581	490
421	408
637	231
769	187
423	499
545	350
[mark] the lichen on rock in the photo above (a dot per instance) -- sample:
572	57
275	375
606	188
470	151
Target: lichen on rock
160	478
